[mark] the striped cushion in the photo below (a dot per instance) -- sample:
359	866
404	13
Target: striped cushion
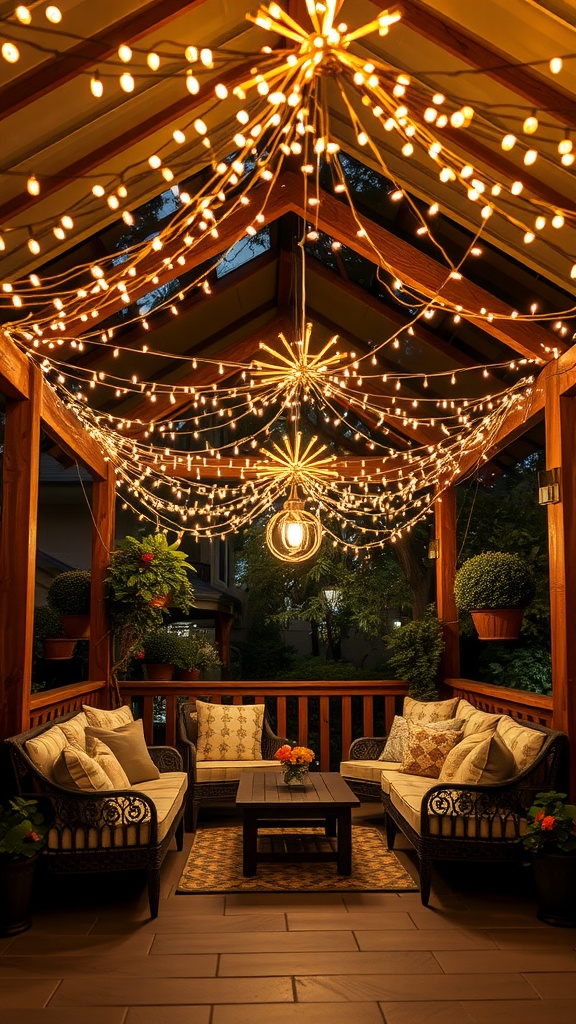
102	719
108	762
76	770
74	730
44	750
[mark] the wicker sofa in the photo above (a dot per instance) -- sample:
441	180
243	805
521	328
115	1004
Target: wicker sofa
107	830
457	821
217	779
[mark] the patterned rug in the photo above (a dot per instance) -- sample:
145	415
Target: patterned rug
215	863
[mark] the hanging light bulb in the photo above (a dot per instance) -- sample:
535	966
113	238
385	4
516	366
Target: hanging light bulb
53	14
293	535
96	87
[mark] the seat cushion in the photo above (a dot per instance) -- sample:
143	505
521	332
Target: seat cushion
229	732
475	721
524	743
229	771
367	771
168	793
128	744
427	750
423	711
388	775
406	795
478	759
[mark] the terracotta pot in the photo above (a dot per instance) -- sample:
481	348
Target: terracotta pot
16	881
76	626
188	674
58	648
497	623
159	672
555	880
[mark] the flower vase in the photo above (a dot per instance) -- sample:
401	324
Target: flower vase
296	774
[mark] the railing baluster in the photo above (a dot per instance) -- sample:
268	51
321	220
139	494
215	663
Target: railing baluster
171	702
368	716
148	718
281	716
346	726
302	721
324	734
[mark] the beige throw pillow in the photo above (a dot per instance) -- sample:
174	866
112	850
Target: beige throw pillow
129	746
427	749
102	719
229	732
74	729
429	711
524	743
477	759
397	741
76	770
45	749
108	762
474	720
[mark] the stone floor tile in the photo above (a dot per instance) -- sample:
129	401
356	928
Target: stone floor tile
243	903
450	938
112	991
61	1015
166	1015
183	966
506	961
300	1013
35	993
33	943
554	986
426	987
436	1013
539	1011
492	916
284	961
304	922
518	938
252	942
178	924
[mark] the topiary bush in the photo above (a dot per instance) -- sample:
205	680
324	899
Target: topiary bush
69	592
160	647
414	653
494	579
47	624
195	651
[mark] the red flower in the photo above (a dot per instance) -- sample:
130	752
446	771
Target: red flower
139	655
31	837
147	557
539	816
548	823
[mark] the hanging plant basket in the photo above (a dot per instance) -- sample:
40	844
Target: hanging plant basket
58	648
498	623
76	627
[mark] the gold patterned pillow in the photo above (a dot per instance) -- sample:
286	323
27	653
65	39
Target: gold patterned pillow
76	770
476	721
524	743
423	711
477	759
229	732
102	719
427	749
397	740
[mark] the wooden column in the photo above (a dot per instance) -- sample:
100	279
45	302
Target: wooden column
223	624
103	512
560	412
445	518
18	555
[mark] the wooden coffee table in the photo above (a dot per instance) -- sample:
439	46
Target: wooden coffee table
265	800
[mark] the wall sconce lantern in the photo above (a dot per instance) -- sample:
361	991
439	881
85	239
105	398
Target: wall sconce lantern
434	548
549	487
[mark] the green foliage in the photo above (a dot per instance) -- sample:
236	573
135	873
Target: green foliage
46	624
160	647
69	592
22	829
321	668
551	824
522	668
414	653
195	651
264	655
494	579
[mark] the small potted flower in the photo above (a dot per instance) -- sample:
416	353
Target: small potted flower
296	761
160	650
550	839
22	836
195	654
495	587
69	594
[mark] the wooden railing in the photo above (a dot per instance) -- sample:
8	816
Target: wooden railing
50	704
325	715
528	707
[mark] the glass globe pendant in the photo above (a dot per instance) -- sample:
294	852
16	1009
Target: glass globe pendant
293	535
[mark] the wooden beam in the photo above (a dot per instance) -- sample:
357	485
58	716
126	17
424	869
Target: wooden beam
64	428
18	555
14	369
103	513
445	519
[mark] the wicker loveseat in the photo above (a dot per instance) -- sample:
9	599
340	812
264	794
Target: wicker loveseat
108	830
457	821
217	779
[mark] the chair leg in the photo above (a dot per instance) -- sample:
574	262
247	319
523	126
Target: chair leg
425	879
391	831
154	891
179	834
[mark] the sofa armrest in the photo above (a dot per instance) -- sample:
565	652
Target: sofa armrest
500	805
74	815
367	748
270	741
166	759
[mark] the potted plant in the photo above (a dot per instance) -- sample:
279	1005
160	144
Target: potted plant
414	653
194	654
69	594
49	640
22	835
160	650
145	576
550	838
495	587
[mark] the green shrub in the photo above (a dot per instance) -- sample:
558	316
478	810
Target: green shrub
69	593
494	579
160	647
195	651
47	624
320	668
414	653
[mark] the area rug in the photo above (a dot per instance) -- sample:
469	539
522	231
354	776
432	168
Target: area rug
215	863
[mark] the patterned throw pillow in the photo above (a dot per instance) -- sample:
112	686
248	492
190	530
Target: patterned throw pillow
76	770
427	750
428	710
129	746
229	732
108	761
108	719
524	743
477	759
397	741
474	720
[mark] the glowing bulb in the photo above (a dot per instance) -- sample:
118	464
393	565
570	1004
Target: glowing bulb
53	14
508	142
67	222
530	125
33	185
192	84
178	136
200	126
556	65
530	156
125	53
98	191
153	61
96	87
221	91
206	58
23	15
155	162
127	82
33	246
10	52
293	534
565	146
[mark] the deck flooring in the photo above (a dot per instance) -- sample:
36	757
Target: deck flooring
477	955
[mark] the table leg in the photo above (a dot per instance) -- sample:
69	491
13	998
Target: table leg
330	826
345	842
249	843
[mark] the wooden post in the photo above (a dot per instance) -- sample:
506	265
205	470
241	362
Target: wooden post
18	555
103	512
445	518
223	624
560	413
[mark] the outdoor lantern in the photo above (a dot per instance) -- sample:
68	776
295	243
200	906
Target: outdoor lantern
293	534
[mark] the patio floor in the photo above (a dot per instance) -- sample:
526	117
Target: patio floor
477	955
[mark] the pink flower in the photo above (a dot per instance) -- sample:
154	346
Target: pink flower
147	557
548	823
